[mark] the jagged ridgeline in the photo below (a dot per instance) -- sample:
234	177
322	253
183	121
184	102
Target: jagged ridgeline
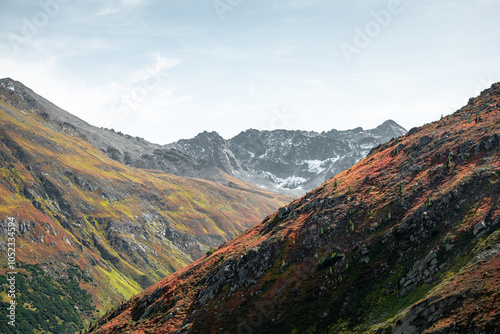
405	241
288	161
91	231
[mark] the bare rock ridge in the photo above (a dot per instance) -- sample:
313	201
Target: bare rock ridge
288	161
131	151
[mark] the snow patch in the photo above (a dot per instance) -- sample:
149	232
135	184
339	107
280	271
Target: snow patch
10	86
291	182
315	166
334	160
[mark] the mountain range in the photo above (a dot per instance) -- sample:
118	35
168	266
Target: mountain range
287	161
282	161
405	241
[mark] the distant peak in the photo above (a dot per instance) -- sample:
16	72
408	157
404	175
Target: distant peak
4	81
12	84
390	124
247	132
251	130
210	134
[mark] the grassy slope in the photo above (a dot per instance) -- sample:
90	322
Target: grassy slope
82	207
377	249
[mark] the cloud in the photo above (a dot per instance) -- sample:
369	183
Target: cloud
100	103
145	90
116	6
159	65
132	62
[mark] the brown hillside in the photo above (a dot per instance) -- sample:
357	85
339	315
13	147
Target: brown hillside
405	241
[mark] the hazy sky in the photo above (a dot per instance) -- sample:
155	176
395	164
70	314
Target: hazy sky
169	69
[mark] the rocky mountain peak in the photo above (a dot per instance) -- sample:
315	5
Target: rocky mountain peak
388	126
289	161
8	83
210	135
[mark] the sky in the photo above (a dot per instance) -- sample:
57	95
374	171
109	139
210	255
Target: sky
169	69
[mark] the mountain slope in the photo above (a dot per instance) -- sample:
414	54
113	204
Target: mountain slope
288	161
131	151
406	241
86	224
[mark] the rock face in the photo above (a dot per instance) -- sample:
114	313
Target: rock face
290	161
405	241
78	210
